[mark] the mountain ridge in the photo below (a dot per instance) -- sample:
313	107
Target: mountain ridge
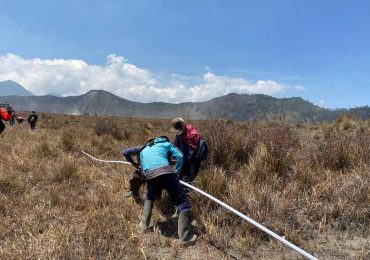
9	88
237	107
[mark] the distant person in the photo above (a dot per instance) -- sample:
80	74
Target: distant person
12	120
32	120
189	141
6	114
155	158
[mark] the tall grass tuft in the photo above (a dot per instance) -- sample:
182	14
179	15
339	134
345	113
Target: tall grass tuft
109	127
67	141
66	172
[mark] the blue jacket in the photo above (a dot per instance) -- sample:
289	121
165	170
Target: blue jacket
132	151
158	154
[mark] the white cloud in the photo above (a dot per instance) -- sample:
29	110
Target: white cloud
322	103
74	77
299	88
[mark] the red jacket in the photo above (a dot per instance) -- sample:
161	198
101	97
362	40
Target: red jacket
191	136
188	142
5	115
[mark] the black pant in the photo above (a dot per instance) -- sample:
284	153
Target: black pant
171	184
189	171
2	126
33	126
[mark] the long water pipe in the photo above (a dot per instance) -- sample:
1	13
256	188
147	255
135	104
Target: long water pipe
223	204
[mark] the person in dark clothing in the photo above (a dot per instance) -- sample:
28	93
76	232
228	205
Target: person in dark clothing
12	121
187	140
32	120
2	126
156	168
137	179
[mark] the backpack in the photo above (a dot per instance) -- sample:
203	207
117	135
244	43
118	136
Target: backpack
32	119
202	151
150	142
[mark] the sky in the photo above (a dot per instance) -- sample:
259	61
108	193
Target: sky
180	51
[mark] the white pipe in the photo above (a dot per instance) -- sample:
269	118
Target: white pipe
251	221
106	161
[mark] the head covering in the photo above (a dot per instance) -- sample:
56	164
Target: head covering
177	125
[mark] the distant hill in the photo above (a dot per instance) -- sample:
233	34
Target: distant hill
10	88
238	107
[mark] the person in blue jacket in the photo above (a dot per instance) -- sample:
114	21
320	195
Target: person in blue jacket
155	164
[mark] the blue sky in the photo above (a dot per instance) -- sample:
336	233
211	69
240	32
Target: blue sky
319	50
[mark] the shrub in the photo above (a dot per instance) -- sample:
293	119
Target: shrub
44	150
10	184
66	172
214	180
345	122
67	141
229	145
336	153
276	150
327	129
108	127
344	152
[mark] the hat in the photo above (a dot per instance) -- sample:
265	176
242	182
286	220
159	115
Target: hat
177	125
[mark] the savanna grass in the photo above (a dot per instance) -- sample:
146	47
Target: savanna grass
305	182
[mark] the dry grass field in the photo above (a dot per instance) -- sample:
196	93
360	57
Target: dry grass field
307	182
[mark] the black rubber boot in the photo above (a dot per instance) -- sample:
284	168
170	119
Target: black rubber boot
147	213
185	232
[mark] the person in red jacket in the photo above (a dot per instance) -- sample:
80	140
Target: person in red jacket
187	140
6	114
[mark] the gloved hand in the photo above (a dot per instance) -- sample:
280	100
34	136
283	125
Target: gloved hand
136	165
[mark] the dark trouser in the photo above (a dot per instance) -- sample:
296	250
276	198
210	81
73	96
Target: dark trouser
136	182
188	172
33	126
12	122
2	126
171	184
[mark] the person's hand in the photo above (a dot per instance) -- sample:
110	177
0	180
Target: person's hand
136	165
